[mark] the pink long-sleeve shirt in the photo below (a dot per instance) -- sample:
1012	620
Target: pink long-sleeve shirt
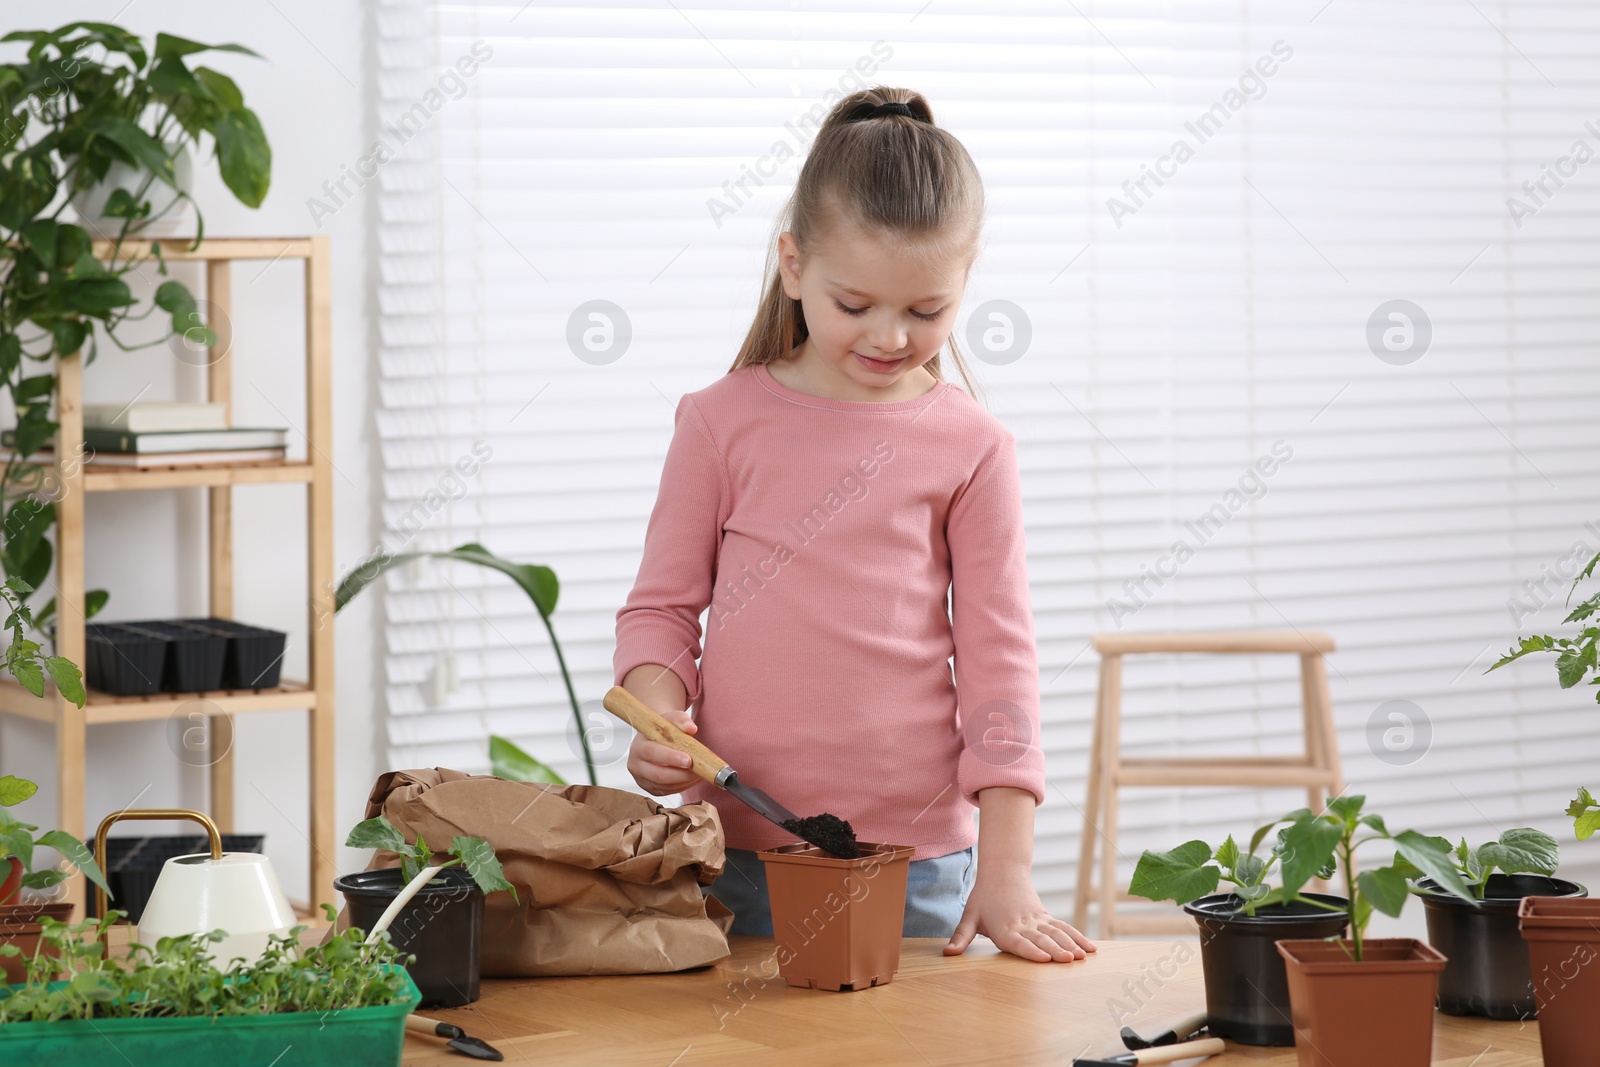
824	536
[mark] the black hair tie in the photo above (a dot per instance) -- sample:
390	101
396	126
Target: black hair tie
895	108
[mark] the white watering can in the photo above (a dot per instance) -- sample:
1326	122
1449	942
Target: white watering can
233	891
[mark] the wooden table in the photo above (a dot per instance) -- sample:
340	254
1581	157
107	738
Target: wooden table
983	1007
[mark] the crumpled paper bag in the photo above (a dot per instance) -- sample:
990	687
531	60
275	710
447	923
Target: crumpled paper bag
608	881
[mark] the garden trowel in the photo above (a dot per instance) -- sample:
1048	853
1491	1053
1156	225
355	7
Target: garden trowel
713	768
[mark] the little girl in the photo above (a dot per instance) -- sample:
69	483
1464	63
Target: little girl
822	499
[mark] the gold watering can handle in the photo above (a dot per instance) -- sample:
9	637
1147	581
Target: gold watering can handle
145	815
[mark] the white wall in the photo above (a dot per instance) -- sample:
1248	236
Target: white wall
149	549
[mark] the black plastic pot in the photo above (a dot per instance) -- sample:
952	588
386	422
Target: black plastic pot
1488	972
124	660
442	925
254	655
1247	987
194	656
134	863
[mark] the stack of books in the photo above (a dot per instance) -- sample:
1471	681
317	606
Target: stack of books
169	435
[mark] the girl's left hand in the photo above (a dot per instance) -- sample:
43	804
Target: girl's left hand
1006	909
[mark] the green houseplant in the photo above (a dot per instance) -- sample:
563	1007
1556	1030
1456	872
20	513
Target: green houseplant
343	1001
1486	970
1247	991
21	924
1361	1000
543	589
431	908
89	98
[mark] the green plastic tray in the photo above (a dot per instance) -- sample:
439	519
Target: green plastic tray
359	1037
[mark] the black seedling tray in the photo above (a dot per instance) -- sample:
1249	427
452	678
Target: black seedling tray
134	863
254	655
125	660
194	656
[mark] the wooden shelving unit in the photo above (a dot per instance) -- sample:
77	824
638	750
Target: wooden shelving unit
315	694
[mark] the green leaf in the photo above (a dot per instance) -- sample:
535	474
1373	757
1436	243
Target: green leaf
1586	823
97	296
221	87
1385	888
14	790
1228	853
169	46
30	674
74	852
1347	808
538	582
511	762
145	150
478	857
1571	667
44	879
16	841
1308	848
68	335
10	354
1521	851
35	388
376	832
1250	870
243	155
122	205
1181	875
67	678
1434	861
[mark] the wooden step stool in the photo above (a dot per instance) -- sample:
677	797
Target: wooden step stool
1318	770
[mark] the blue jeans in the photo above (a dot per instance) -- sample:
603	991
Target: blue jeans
936	893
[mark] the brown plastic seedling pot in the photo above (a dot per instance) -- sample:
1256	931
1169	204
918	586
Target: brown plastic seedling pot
19	926
1563	937
1376	1013
837	921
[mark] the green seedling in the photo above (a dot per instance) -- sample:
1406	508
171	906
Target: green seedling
17	840
70	976
473	853
1585	812
1519	851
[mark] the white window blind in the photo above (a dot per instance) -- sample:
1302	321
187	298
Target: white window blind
1173	335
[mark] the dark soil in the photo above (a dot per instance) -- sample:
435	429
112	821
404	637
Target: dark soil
828	832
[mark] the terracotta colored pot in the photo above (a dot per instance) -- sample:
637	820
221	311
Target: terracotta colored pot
13	879
19	926
1376	1013
837	922
1563	937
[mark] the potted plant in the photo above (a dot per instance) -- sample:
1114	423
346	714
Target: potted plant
342	1002
837	921
21	924
1247	990
1363	1001
431	909
1562	935
89	105
1486	970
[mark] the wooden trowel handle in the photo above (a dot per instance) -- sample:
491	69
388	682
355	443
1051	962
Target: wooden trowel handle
1206	1046
631	710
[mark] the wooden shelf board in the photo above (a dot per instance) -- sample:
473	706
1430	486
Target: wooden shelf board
174	249
104	479
104	707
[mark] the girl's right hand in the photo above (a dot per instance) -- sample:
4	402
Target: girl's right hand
659	770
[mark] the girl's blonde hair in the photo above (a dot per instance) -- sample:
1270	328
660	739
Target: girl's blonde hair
894	176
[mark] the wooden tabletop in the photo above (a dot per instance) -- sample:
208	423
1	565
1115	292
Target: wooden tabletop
982	1007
